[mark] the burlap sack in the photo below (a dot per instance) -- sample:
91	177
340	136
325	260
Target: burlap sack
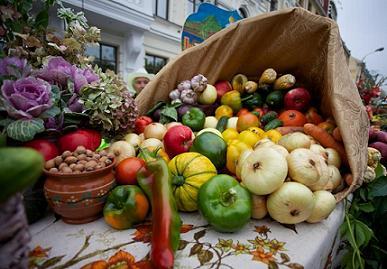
290	41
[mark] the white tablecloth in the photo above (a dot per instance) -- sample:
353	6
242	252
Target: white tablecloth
260	244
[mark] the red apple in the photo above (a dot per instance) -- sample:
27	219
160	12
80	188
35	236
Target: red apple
177	140
47	148
222	86
90	139
297	99
312	116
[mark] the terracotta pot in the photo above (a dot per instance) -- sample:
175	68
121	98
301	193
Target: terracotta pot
79	198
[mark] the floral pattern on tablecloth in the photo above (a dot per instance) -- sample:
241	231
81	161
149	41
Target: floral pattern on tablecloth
261	249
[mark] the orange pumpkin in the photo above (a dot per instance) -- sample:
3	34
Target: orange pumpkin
292	118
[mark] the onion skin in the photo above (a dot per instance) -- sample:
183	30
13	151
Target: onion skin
155	130
292	203
258	206
304	166
324	204
294	141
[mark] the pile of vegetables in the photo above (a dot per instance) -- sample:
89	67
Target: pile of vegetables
233	151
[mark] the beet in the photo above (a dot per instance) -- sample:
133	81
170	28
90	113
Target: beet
382	147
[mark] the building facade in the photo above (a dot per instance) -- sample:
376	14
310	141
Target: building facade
146	33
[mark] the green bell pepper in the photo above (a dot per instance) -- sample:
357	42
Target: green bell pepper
252	101
194	119
212	146
224	203
126	205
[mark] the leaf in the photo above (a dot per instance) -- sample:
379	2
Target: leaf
295	266
284	257
205	256
195	249
168	114
182	244
378	171
50	113
366	207
199	234
158	105
52	261
25	130
41	19
362	233
272	265
55	91
377	188
5	122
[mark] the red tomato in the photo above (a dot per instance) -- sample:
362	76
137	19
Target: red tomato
47	148
127	169
242	111
90	139
141	123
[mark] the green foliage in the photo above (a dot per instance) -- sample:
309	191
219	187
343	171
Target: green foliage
364	227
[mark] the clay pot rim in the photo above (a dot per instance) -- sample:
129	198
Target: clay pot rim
80	175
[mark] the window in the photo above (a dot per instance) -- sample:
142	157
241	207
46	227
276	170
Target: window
243	12
161	8
154	63
193	5
273	5
104	55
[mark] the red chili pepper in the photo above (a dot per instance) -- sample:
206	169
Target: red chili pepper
156	182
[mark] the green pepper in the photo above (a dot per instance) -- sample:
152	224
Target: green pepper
252	101
194	119
155	180
224	203
126	205
233	100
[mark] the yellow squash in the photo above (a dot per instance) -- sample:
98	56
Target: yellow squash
189	171
234	150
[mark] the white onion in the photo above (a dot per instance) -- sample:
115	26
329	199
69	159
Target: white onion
155	130
232	122
133	139
320	150
294	141
264	171
242	158
265	142
333	157
305	166
281	150
335	178
152	142
121	151
210	122
292	203
324	204
172	124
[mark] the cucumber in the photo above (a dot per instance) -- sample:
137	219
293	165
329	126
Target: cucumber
19	168
222	124
268	117
273	124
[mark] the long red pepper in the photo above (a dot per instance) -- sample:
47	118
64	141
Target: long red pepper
155	180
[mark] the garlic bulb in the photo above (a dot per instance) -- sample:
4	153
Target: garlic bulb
174	95
258	206
294	141
199	83
292	203
333	157
305	166
324	204
264	171
184	85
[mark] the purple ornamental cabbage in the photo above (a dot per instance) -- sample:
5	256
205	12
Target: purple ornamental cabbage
90	75
26	98
14	66
74	105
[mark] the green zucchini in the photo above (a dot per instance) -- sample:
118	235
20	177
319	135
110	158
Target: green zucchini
222	124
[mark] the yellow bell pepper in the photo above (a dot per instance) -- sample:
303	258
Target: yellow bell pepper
273	135
230	134
223	111
258	131
234	150
248	138
232	99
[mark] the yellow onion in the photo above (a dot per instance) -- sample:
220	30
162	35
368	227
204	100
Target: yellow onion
155	130
292	203
294	141
324	204
258	206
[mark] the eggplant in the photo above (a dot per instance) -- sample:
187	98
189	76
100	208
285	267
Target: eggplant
209	110
156	115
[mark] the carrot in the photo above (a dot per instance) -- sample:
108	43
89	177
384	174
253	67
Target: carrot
337	135
325	139
289	129
348	179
